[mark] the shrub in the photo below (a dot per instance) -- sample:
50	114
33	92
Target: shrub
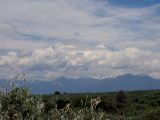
107	107
48	106
20	104
153	115
76	102
121	99
81	102
57	93
61	103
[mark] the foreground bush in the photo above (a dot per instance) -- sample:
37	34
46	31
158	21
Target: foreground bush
20	104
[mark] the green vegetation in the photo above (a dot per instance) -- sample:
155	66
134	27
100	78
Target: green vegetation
137	105
20	104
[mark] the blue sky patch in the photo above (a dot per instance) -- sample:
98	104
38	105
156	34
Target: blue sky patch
134	3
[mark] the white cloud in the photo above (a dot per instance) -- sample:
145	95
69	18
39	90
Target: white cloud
95	39
72	61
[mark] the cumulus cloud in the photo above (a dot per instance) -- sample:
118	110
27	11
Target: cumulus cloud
73	61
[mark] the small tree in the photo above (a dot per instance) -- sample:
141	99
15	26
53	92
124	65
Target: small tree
57	92
121	99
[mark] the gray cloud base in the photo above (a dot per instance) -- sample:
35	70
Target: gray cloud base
79	61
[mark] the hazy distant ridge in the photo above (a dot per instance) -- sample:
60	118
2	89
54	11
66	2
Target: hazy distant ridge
125	82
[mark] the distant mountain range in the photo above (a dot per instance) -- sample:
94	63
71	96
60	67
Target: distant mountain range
127	82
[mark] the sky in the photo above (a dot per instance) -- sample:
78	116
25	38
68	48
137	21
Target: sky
47	39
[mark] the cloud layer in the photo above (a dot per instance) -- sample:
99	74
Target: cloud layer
79	61
87	38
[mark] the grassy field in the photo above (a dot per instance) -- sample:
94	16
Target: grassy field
130	105
20	104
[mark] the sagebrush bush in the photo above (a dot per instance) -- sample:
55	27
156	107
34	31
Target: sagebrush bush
20	104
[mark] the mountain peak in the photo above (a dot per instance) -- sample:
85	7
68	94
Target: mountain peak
128	82
128	75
